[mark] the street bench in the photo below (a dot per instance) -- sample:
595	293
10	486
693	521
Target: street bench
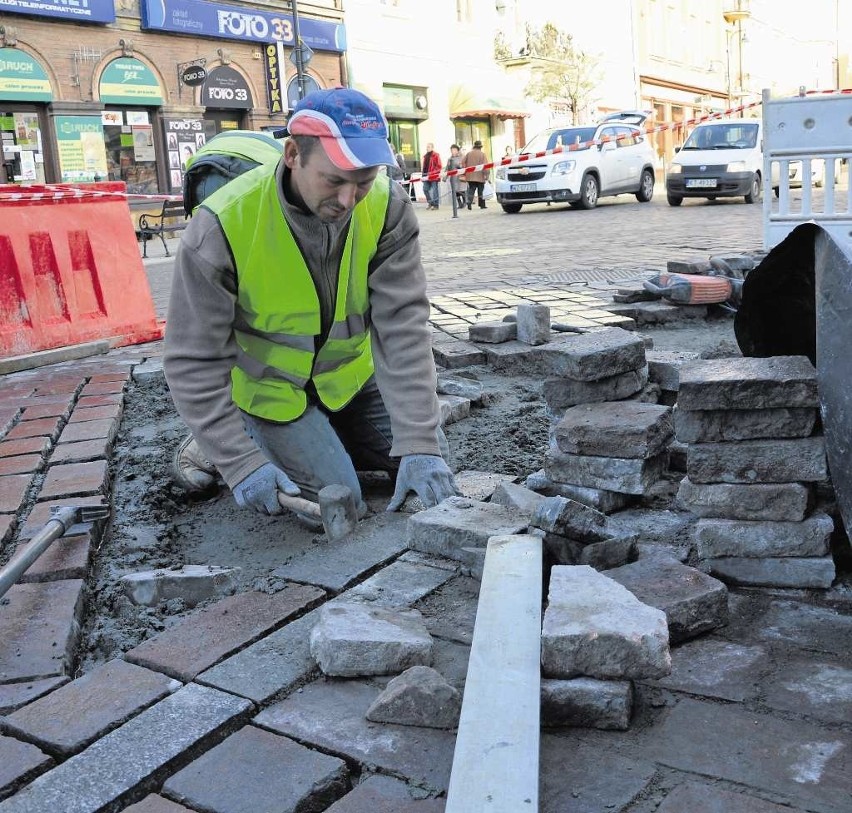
171	218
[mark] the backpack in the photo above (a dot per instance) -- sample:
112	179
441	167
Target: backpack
224	157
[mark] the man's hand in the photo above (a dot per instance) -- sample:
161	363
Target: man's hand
259	491
427	475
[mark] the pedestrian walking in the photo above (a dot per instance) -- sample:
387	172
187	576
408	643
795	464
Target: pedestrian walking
455	162
431	165
297	349
476	180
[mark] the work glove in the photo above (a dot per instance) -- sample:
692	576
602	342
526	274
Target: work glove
259	491
426	474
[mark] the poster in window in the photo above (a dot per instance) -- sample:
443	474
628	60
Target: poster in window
177	179
143	144
187	150
28	167
138	118
27	132
174	159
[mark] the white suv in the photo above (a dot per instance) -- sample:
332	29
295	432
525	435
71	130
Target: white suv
618	161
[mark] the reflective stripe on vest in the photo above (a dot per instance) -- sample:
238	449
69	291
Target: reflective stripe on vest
277	320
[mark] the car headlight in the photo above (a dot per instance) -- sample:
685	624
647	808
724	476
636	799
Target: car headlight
501	174
563	168
737	166
675	169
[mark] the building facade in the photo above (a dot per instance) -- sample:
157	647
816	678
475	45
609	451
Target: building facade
129	89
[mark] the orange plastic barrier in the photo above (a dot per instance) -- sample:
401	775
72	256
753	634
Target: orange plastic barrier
70	270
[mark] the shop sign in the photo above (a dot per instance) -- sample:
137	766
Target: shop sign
128	81
225	87
183	137
273	56
207	19
81	148
22	78
78	11
194	75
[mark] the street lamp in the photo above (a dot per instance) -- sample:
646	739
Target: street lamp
734	17
713	68
297	50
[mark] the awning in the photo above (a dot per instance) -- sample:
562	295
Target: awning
467	103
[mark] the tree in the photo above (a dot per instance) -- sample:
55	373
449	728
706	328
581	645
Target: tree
560	71
501	48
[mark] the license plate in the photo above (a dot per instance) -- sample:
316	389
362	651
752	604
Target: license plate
522	187
700	183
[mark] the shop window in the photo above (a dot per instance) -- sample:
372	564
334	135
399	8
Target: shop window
130	151
21	152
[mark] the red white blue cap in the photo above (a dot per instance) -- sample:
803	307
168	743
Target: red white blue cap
350	126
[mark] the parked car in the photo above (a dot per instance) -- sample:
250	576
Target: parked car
610	158
722	158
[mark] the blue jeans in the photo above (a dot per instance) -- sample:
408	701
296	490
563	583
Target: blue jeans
433	192
323	448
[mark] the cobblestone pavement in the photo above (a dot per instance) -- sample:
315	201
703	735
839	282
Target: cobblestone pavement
222	712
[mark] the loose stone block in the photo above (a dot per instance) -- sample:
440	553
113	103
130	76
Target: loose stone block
778	502
468	388
599	555
564	517
664	367
516	498
748	383
479	485
587	703
661	313
453	408
688	266
774	572
625	475
453	355
758	461
114	766
533	324
67	720
589	356
354	639
651	524
694	603
716	425
255	769
561	393
192	583
493	332
730	537
615	429
604	501
458	523
595	627
420	696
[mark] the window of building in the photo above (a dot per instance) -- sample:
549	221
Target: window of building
464	13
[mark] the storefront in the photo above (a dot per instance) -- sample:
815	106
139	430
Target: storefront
25	92
227	99
405	107
479	117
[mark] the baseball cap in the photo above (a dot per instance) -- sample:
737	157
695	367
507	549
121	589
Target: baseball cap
350	126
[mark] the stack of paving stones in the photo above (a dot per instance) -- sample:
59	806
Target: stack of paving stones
56	432
753	459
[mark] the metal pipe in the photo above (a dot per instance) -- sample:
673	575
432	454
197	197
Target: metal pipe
297	49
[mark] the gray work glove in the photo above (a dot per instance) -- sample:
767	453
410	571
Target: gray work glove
426	474
259	491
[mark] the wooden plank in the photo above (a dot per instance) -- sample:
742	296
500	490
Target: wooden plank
495	765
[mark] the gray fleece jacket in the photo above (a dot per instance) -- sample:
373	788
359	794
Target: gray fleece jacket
200	348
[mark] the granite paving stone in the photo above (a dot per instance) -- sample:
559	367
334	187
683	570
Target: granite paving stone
587	703
70	718
75	479
399	584
13	488
336	565
103	388
561	393
480	485
699	798
329	715
52	410
128	762
190	583
384	794
781	502
664	367
817	689
738	537
207	637
20	762
21	464
15	695
39	629
714	668
67	558
255	770
717	425
795	761
581	778
37	445
156	804
791	571
88	401
758	461
624	475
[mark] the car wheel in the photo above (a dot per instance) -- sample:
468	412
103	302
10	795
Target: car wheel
674	200
754	195
589	191
646	187
511	208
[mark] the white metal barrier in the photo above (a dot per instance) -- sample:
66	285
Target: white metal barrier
801	135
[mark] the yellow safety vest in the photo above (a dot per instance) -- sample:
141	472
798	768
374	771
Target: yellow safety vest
277	323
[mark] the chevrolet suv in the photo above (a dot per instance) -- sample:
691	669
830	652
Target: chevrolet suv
611	158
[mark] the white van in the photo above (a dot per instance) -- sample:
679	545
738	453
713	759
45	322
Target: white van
722	158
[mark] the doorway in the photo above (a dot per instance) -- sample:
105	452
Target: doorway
403	136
